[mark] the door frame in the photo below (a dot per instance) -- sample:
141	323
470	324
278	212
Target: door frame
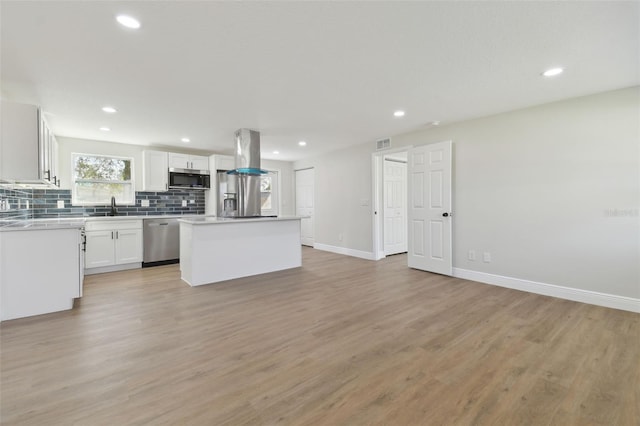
295	197
377	168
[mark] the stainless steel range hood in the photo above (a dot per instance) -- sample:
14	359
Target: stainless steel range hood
247	154
248	172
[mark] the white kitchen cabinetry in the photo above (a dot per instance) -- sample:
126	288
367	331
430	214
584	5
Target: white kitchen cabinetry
155	167
199	162
113	245
40	271
185	161
29	148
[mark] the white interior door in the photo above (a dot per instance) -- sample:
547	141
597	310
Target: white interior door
395	206
429	214
305	183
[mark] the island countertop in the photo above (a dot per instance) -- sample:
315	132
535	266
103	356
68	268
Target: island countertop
228	220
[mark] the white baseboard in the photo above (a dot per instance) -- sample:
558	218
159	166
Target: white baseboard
113	268
346	251
577	295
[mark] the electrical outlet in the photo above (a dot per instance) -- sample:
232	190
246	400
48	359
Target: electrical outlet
184	203
471	255
192	201
61	204
27	204
144	203
486	257
339	237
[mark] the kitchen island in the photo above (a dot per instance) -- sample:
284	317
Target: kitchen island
219	249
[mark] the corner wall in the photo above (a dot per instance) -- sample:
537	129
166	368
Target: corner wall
552	192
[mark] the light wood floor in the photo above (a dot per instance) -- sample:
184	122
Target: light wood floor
340	341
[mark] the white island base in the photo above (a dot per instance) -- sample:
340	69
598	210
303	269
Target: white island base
214	250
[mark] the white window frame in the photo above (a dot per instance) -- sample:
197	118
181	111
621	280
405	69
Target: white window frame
275	193
74	195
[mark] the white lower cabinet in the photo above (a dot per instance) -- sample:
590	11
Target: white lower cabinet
112	245
128	246
39	271
100	249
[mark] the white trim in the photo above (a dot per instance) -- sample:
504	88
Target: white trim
346	251
377	177
568	293
112	268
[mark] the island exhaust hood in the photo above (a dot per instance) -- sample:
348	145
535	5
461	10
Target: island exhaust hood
247	154
247	173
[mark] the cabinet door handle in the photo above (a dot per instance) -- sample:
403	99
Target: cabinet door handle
112	235
116	235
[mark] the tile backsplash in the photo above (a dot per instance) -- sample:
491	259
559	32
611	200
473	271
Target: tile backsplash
15	203
43	203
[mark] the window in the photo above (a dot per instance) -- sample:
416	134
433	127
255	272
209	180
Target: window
269	193
97	178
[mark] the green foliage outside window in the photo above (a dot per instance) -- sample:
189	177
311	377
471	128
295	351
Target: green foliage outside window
97	178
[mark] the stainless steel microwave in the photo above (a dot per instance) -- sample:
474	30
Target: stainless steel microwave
189	179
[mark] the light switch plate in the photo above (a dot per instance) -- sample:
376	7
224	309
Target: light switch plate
144	203
61	204
184	203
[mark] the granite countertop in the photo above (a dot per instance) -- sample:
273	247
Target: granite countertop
77	222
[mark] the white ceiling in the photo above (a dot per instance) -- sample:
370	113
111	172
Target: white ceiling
329	73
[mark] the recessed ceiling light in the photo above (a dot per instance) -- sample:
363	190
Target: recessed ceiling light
302	143
435	123
185	140
553	71
128	21
399	114
105	129
276	152
109	109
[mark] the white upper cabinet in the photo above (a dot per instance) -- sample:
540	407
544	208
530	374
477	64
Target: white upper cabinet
155	165
199	162
26	144
178	161
29	148
185	161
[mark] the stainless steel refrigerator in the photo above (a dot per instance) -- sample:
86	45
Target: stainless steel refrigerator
238	195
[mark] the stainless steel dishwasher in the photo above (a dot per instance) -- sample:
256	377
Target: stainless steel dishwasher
161	242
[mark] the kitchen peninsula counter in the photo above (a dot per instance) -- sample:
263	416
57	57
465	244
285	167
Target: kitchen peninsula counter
219	249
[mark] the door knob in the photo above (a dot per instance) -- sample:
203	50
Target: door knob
445	214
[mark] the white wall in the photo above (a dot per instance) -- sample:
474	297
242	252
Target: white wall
551	191
343	197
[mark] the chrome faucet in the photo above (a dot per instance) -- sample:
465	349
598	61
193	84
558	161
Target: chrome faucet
113	211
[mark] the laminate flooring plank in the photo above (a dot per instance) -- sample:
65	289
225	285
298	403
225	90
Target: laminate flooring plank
338	341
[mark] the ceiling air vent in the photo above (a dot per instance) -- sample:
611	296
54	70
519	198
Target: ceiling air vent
383	144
